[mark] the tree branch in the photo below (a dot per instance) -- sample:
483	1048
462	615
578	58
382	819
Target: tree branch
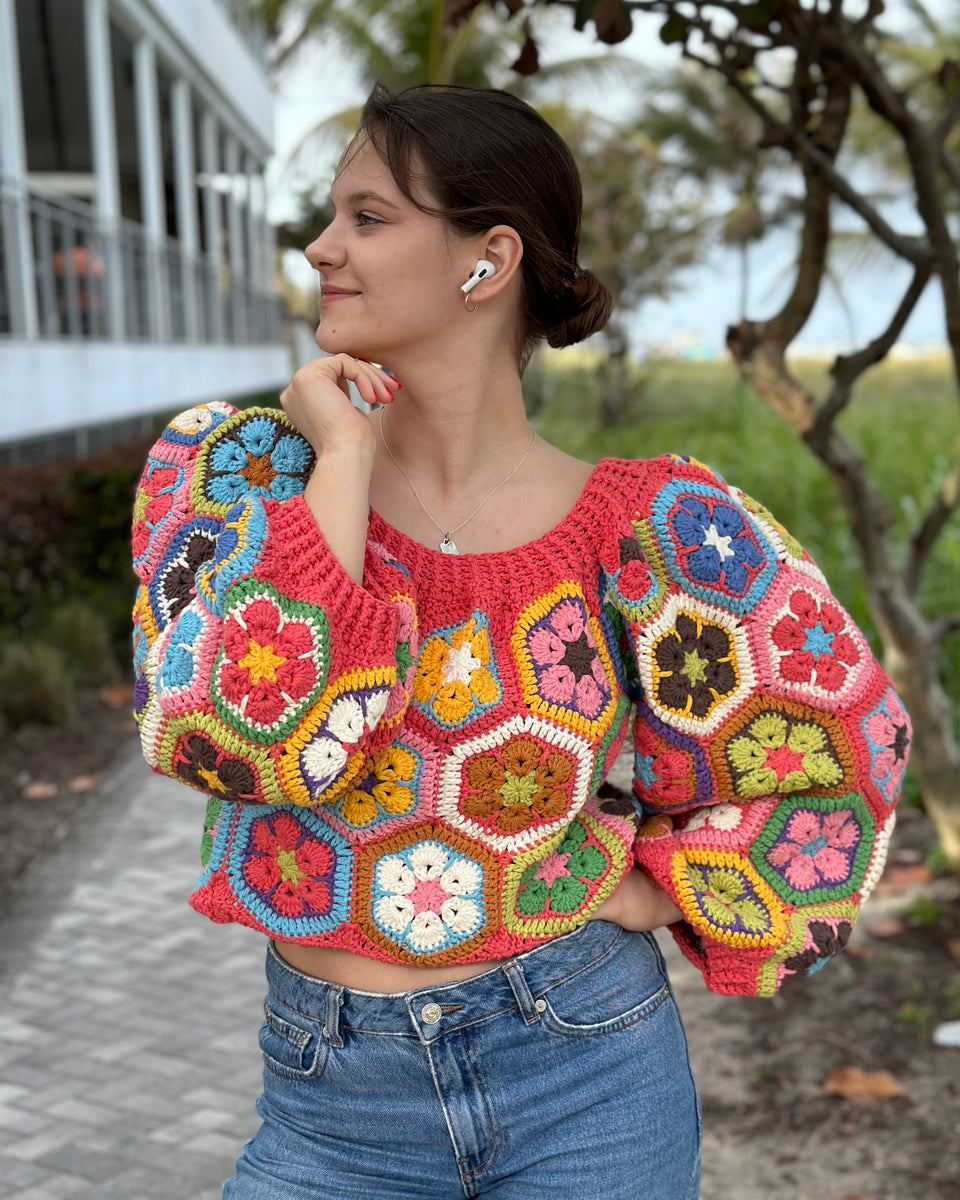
930	528
848	368
951	166
944	627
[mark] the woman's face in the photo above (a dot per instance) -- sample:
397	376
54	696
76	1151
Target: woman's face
390	274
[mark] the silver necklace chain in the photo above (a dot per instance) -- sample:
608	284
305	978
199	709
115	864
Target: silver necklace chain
448	545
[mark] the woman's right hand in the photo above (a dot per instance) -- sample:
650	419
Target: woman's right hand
317	400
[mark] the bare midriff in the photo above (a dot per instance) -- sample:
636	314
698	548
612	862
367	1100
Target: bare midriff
369	974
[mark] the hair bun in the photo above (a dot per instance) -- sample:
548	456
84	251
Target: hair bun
583	308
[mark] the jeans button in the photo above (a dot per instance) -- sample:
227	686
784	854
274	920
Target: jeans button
430	1014
540	1005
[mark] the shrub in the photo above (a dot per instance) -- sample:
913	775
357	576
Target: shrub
81	635
35	684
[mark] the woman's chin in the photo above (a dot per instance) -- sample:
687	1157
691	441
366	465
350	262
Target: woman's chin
332	342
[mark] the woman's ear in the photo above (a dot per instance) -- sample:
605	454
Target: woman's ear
502	247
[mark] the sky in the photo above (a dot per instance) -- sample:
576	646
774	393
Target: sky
693	319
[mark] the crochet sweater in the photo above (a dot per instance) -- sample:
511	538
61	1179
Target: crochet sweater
411	768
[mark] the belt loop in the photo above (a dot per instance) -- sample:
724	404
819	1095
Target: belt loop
518	985
331	1028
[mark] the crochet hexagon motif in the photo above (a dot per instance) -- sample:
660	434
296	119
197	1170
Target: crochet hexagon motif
565	668
816	850
515	785
711	546
426	894
259	455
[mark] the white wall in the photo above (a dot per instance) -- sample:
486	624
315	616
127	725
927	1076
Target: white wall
49	386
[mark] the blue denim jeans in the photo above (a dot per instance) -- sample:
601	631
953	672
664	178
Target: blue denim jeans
562	1072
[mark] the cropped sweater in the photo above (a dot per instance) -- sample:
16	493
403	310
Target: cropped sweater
412	768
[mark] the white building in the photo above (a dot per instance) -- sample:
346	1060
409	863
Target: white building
136	262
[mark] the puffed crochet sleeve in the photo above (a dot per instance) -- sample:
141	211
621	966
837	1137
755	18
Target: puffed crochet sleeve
769	743
265	673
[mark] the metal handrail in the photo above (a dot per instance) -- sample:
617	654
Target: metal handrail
93	279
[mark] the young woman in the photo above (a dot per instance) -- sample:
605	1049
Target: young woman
400	651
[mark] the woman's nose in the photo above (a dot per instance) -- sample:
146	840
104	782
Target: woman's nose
324	250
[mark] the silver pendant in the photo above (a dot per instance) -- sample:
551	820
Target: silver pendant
448	545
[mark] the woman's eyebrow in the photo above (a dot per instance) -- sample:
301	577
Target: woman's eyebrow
364	198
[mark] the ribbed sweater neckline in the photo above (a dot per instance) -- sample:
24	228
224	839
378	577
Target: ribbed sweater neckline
591	510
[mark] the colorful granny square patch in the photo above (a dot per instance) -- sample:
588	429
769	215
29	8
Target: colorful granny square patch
728	826
191	427
711	547
815	850
322	757
242	534
202	752
564	665
516	784
257	454
886	729
172	584
426	895
816	935
695	665
552	888
288	869
154	508
777	746
636	579
808	648
722	895
455	679
393	789
788	549
670	769
272	662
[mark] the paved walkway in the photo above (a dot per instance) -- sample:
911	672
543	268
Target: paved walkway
128	1023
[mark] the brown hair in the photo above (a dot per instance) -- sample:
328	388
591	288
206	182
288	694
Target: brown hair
490	159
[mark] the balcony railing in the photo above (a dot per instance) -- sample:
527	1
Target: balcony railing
89	280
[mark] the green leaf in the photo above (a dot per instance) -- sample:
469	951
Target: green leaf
673	30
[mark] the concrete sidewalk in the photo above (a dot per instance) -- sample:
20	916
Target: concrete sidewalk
129	1064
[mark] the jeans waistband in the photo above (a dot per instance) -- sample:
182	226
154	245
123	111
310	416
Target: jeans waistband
434	1009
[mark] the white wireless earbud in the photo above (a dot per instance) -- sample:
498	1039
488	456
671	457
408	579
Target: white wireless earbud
482	270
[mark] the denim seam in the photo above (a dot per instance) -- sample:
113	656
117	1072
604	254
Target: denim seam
497	1133
633	1016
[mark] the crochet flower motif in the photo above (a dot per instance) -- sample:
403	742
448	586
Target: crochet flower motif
779	754
670	770
887	729
780	537
724	817
256	456
242	533
523	783
272	662
816	848
173	584
695	665
428	897
559	883
291	870
712	546
550	888
816	852
827	939
455	679
721	893
153	504
636	581
384	791
323	757
515	785
206	766
816	645
565	669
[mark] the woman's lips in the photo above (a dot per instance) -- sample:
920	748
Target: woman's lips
329	295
